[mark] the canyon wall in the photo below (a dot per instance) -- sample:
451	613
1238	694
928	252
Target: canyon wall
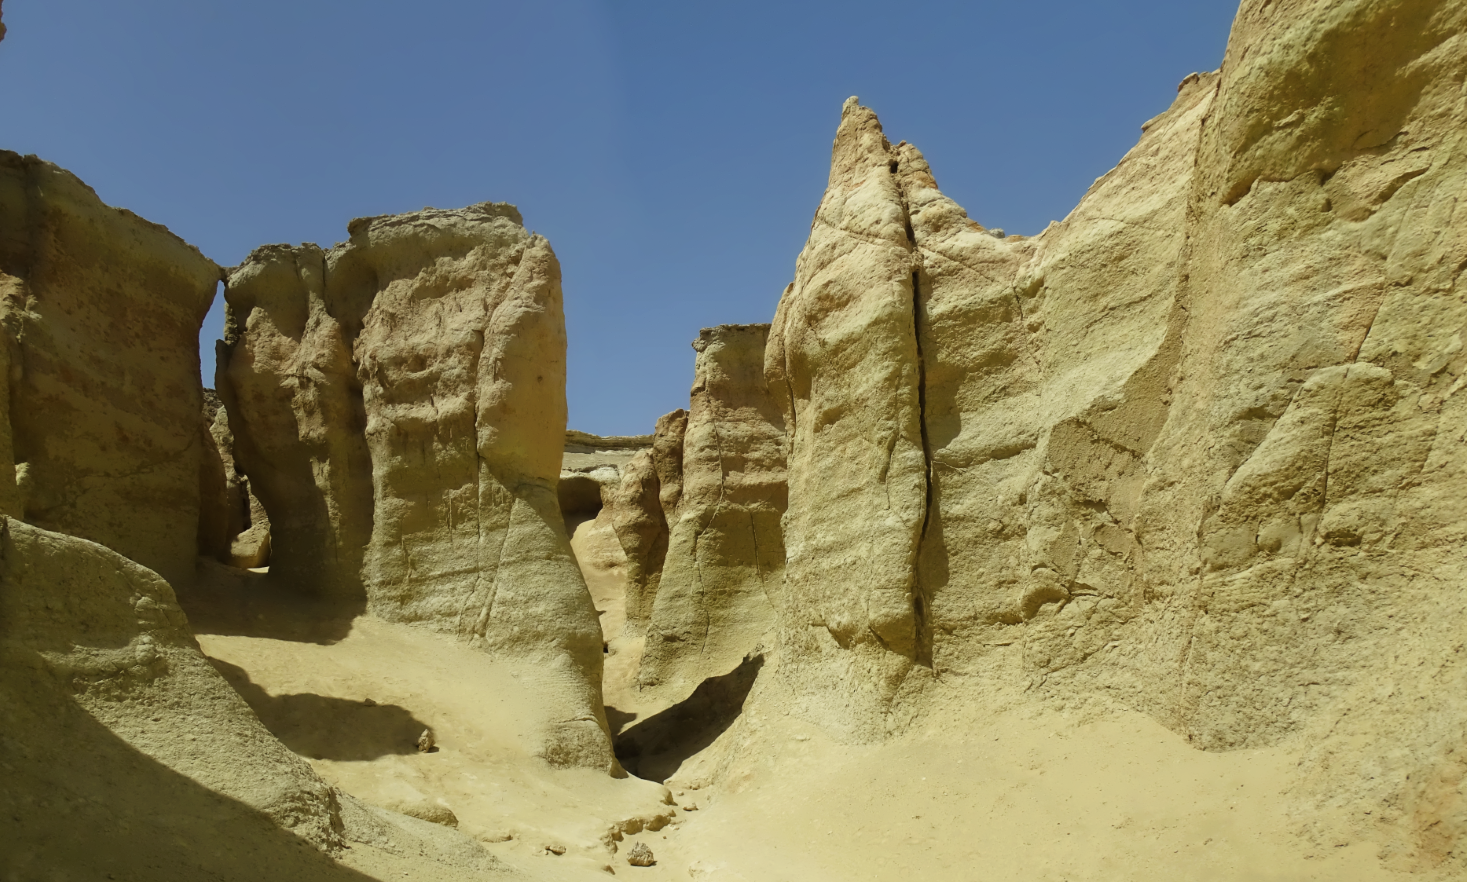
1193	449
398	403
108	703
101	313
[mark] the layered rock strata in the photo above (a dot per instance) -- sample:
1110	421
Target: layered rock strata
591	466
398	403
101	313
721	581
1191	448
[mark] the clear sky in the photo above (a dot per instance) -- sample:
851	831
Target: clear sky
673	153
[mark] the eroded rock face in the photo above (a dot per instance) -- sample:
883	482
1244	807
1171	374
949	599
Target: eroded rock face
842	360
398	403
723	576
82	624
233	526
635	512
1194	448
101	312
288	382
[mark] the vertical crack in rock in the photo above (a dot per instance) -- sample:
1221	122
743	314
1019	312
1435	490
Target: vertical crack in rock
923	640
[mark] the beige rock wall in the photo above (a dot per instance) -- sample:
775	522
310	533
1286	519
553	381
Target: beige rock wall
102	312
1046	362
642	506
398	404
721	583
634	509
1302	523
1192	449
842	361
289	385
667	459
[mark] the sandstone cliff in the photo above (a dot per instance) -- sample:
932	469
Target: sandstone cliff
398	403
1191	448
101	312
720	584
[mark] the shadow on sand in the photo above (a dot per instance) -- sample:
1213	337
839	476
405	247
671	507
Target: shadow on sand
656	747
244	603
320	727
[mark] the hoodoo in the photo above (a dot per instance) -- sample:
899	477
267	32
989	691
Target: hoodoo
398	402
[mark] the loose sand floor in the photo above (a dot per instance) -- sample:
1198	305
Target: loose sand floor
1018	795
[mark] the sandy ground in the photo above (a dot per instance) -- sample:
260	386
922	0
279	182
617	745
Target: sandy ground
1018	795
1022	798
353	697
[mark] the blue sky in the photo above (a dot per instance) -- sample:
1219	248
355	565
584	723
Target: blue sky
673	153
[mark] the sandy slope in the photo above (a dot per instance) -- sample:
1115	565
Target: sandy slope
311	687
1020	798
986	793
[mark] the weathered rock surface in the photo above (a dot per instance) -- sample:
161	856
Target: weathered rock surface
720	585
101	311
590	468
398	403
843	362
82	624
667	460
233	526
1194	449
634	510
288	382
110	711
641	506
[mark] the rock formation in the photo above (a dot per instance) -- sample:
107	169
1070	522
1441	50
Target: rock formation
590	467
233	526
641	507
724	568
101	312
289	385
1192	448
398	403
844	363
84	624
